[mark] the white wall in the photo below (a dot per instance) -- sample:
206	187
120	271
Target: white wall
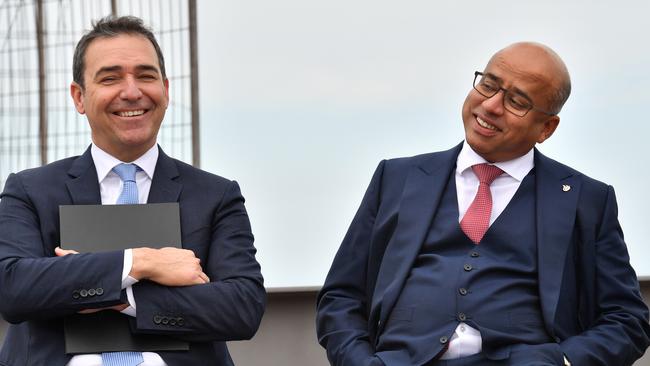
301	99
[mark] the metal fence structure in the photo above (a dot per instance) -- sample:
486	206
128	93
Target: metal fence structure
38	121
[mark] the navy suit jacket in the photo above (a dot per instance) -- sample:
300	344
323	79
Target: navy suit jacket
589	293
36	287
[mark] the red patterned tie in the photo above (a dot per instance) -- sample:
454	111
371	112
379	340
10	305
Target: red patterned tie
477	218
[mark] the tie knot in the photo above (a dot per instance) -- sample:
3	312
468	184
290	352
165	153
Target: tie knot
486	173
126	171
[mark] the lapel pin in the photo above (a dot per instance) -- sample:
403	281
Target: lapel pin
566	187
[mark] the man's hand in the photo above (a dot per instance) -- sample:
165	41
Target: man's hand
119	307
168	266
63	252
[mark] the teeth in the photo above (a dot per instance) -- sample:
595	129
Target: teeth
130	113
485	124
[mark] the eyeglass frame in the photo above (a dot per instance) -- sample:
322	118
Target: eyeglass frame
505	93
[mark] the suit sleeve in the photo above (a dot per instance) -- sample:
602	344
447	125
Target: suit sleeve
230	307
34	283
619	333
344	301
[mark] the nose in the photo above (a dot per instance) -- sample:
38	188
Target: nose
131	91
494	104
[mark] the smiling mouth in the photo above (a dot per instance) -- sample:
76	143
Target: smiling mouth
135	113
484	124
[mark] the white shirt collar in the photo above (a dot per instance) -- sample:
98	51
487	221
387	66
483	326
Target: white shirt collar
517	168
104	162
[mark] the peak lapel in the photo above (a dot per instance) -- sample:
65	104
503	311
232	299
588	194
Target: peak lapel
164	185
558	189
83	185
422	191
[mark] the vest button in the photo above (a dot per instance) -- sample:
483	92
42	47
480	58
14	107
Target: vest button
468	267
462	291
474	254
443	340
462	317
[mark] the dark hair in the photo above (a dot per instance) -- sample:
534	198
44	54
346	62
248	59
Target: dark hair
561	94
112	26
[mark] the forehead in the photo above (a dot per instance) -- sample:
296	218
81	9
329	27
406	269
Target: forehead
530	70
125	50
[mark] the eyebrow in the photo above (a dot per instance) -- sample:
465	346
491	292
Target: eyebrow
117	68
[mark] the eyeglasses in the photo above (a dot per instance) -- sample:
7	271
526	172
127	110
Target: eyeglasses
514	102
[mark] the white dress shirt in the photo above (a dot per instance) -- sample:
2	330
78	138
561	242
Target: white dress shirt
110	188
466	340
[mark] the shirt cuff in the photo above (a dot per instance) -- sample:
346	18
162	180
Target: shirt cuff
131	308
127	280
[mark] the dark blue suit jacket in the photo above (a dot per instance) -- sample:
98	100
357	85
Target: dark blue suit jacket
589	293
37	288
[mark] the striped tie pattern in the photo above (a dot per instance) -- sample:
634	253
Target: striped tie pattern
129	195
477	218
122	358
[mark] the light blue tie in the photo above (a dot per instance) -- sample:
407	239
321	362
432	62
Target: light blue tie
129	195
122	358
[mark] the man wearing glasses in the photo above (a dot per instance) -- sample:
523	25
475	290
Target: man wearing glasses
489	253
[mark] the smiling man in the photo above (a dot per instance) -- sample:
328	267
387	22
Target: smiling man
206	293
489	253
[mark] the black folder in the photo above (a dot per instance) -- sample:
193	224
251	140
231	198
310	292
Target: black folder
98	228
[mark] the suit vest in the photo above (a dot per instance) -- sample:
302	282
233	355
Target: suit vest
491	286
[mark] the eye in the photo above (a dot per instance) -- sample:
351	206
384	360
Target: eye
148	77
489	85
519	102
108	79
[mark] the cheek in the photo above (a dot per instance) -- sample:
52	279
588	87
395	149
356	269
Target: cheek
467	106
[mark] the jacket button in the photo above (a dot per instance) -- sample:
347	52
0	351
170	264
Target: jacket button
75	294
462	291
92	292
172	321
180	321
462	317
165	320
157	319
474	254
99	291
468	267
83	293
443	340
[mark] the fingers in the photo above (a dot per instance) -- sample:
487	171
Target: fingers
63	252
204	277
168	266
119	307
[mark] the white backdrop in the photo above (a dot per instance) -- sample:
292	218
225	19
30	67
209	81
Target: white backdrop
301	99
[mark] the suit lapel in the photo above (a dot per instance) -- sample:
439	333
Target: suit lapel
83	185
164	185
421	196
557	192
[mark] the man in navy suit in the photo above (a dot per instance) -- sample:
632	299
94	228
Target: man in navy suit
206	293
443	265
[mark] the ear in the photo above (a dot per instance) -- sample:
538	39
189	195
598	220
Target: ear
77	94
166	83
549	127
